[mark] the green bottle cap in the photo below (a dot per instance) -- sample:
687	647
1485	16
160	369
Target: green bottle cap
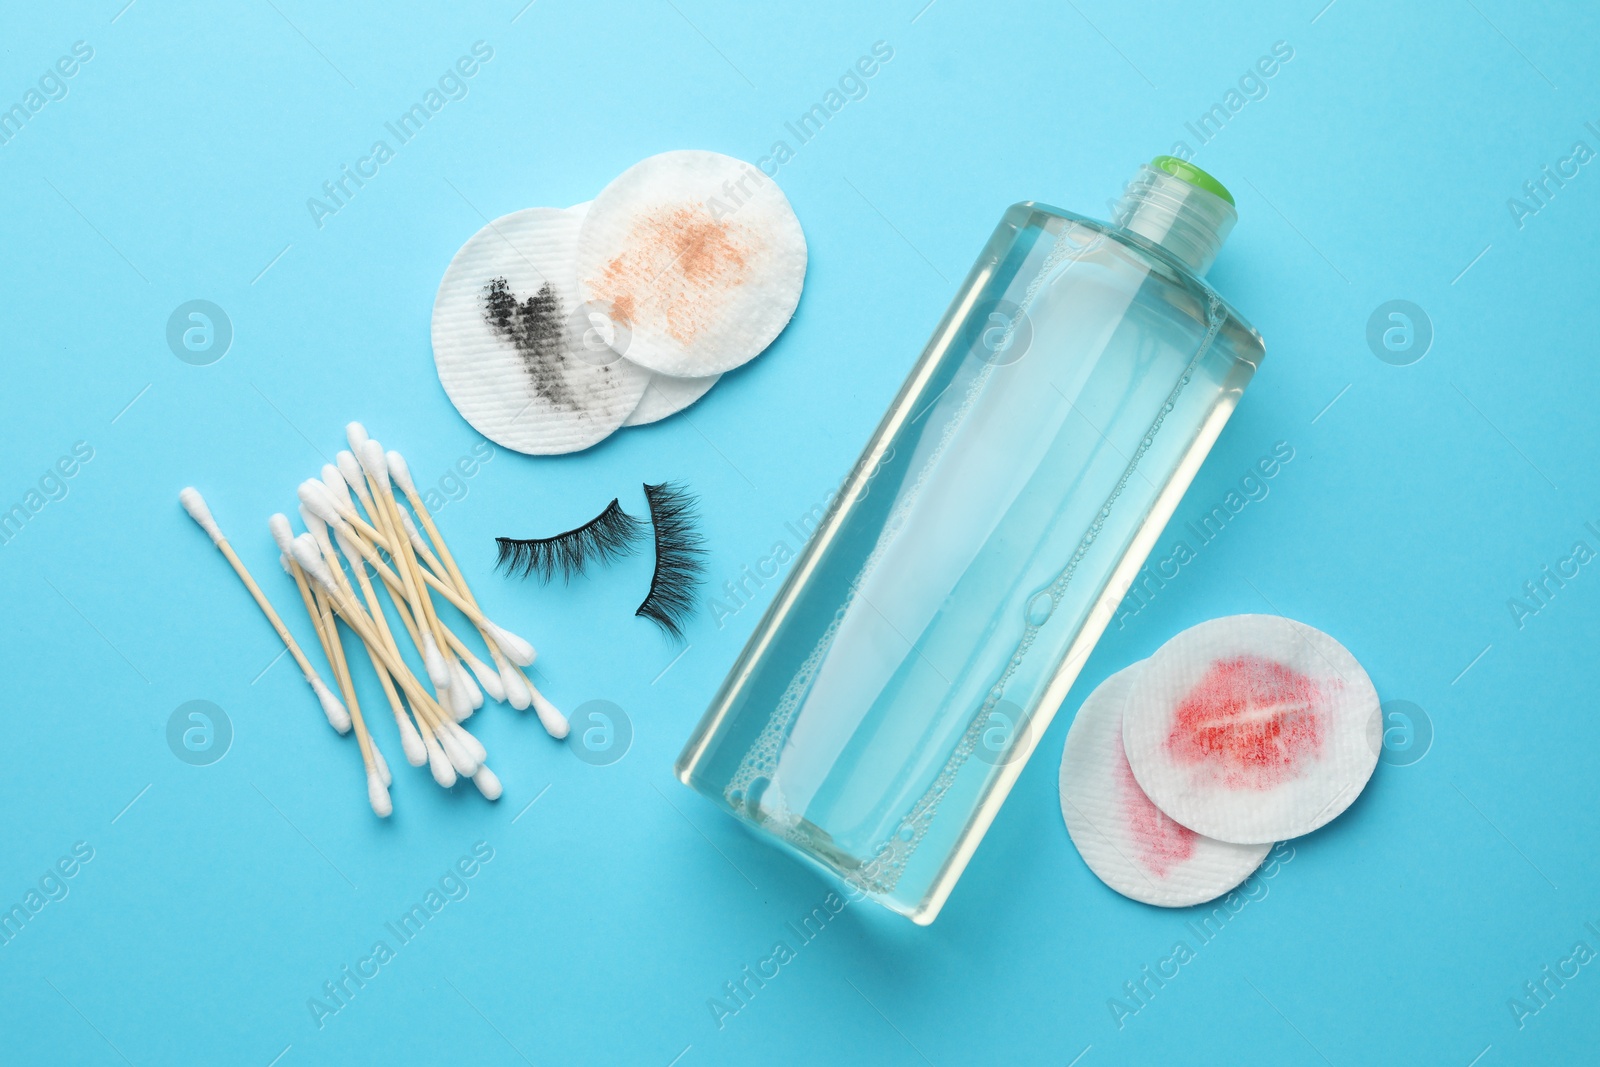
1192	174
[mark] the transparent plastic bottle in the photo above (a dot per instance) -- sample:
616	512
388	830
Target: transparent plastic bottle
894	689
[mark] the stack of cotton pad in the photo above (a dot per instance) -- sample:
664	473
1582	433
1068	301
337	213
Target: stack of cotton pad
553	327
1181	771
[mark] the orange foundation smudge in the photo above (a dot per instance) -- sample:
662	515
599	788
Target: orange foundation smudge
676	270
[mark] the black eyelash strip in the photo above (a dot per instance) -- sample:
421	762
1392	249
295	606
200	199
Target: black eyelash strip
608	536
679	563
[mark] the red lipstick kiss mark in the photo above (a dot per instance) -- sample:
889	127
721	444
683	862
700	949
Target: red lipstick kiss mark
1252	719
1162	844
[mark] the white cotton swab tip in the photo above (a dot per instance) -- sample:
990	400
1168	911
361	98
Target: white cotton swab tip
439	764
555	723
516	687
412	534
334	481
378	795
309	557
195	505
489	679
332	706
356	434
459	757
488	783
373	462
382	765
464	738
460	703
401	473
316	498
350	470
314	524
410	741
438	673
282	533
463	683
516	649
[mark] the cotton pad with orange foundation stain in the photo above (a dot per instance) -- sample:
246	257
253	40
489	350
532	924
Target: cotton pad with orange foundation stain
1130	844
1252	728
699	260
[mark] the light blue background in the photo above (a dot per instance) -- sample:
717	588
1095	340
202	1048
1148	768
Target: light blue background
1377	167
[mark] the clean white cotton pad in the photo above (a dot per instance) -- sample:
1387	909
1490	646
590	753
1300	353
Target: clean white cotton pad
698	255
1128	842
667	396
515	351
1252	728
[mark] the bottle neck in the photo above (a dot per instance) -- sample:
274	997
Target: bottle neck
1182	218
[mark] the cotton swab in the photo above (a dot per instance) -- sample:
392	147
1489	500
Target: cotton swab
305	550
307	553
377	471
377	789
464	767
316	501
195	505
410	740
338	717
520	692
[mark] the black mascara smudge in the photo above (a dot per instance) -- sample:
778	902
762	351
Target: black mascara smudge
535	327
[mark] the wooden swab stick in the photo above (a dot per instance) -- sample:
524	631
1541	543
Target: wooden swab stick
554	722
314	497
462	694
377	791
195	505
333	647
450	749
430	727
377	472
284	536
306	552
410	741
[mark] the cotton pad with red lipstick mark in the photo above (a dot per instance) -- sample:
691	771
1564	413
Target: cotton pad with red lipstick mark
1252	728
1128	842
698	257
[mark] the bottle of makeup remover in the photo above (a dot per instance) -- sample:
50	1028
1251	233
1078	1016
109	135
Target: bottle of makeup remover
924	638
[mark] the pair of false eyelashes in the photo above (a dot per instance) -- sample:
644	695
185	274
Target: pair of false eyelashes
613	534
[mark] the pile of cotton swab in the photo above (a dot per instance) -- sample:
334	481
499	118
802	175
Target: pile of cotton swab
354	518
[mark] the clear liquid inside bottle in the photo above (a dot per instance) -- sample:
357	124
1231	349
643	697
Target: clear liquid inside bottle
902	675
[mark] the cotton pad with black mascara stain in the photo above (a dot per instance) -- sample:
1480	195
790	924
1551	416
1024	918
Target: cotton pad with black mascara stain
698	255
515	350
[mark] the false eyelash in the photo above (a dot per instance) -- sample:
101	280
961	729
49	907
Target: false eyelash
608	536
679	566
